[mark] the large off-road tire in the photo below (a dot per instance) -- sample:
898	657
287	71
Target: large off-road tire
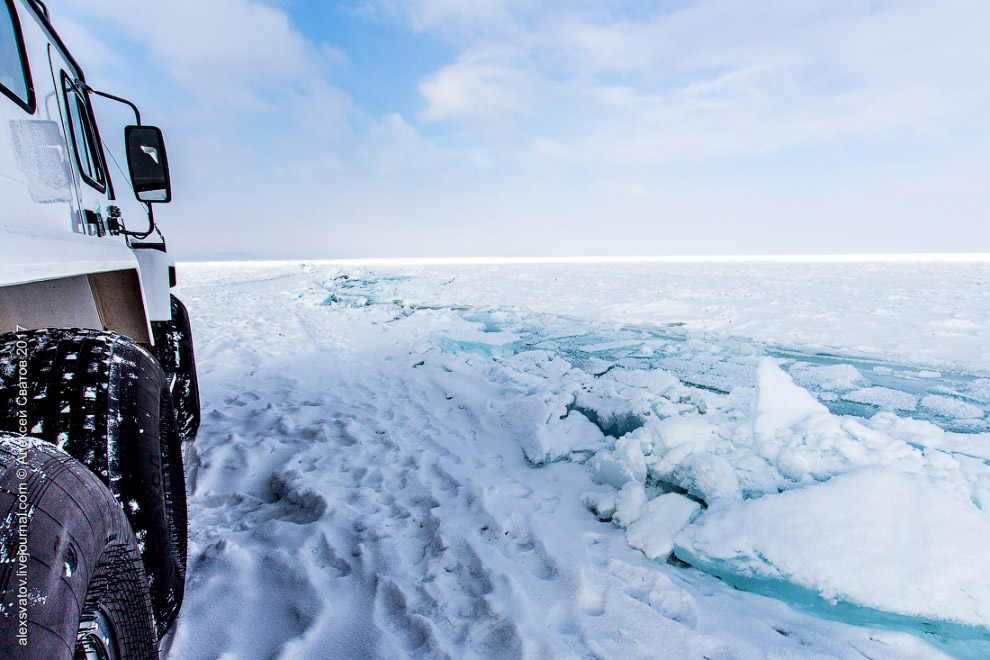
71	575
174	350
99	397
173	478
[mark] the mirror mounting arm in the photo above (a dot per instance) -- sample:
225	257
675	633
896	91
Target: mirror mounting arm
152	227
85	87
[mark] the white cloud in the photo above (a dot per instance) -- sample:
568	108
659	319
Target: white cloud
592	47
486	87
744	112
720	77
453	18
229	50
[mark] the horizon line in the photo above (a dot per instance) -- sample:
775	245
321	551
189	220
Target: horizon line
932	257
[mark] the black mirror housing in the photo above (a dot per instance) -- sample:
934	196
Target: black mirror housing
148	164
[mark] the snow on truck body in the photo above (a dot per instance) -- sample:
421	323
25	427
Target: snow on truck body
67	256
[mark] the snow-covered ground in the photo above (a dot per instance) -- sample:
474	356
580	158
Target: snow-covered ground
709	460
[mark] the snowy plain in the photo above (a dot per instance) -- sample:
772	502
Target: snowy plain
714	460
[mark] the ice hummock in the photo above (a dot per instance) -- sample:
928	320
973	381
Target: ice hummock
874	546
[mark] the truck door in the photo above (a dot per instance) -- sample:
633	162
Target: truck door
90	181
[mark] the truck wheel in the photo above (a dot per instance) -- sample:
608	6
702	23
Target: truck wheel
174	481
72	582
174	350
98	396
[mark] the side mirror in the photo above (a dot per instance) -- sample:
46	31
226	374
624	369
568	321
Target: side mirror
148	163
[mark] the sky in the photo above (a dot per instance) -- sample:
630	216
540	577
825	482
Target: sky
503	128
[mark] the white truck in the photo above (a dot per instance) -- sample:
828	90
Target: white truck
97	374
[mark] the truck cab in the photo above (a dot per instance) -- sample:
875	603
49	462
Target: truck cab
63	238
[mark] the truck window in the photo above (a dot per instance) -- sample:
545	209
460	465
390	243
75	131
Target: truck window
15	77
83	135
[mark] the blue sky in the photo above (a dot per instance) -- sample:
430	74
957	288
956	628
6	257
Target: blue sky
380	128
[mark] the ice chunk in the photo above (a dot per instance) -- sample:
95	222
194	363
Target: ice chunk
629	504
601	503
948	406
780	404
805	441
707	477
626	462
832	378
657	381
560	437
883	397
874	547
687	433
659	521
676	438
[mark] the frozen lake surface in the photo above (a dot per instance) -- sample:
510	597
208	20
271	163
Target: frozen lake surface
655	460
